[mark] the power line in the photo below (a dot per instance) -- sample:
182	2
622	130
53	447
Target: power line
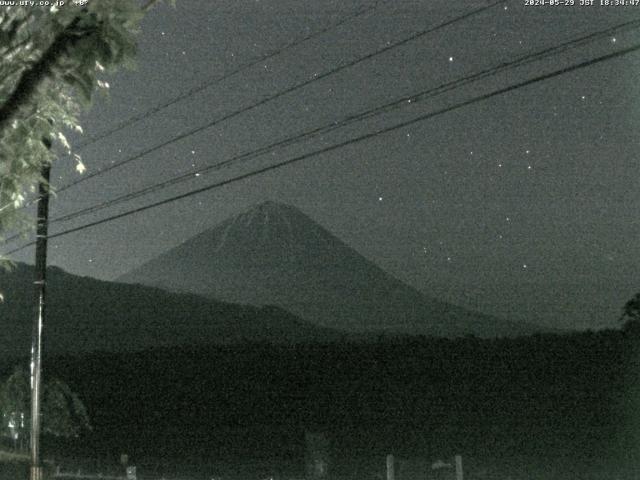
189	93
339	124
264	101
346	143
218	79
286	91
414	98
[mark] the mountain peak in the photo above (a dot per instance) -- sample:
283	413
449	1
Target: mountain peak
271	205
271	211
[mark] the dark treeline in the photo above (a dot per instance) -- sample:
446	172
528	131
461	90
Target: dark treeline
557	403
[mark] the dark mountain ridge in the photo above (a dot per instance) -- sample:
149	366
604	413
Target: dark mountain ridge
85	314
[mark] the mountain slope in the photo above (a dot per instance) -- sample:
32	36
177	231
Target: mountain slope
84	314
275	254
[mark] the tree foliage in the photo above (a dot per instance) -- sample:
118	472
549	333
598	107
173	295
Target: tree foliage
63	413
631	313
53	60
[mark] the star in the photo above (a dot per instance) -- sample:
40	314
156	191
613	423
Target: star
379	199
613	40
450	59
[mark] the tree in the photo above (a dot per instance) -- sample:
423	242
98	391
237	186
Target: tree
631	313
52	61
63	413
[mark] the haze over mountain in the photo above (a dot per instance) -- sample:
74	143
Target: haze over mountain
84	314
274	254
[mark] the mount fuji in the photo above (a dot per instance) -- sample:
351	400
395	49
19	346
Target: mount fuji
273	254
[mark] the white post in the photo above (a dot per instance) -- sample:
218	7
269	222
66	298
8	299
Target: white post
390	468
459	474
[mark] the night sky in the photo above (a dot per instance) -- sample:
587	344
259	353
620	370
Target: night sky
523	205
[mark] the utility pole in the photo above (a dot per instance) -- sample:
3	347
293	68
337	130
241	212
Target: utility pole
36	472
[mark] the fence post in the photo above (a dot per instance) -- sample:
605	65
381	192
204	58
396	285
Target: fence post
391	473
317	456
459	473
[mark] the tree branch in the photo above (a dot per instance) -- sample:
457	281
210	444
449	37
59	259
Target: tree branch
149	5
14	48
31	79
